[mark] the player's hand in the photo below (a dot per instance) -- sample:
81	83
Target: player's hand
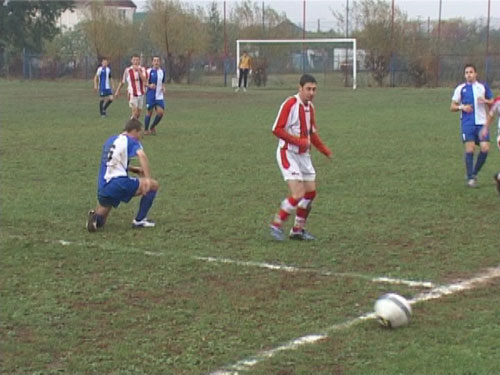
483	133
467	108
304	144
152	86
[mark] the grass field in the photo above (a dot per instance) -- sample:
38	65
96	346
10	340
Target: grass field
392	203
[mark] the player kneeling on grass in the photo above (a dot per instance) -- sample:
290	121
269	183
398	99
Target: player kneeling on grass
494	110
114	184
296	129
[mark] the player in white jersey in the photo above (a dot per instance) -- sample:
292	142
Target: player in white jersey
135	77
494	110
471	99
114	184
103	83
295	126
154	95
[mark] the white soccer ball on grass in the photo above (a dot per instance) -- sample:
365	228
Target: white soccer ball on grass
393	310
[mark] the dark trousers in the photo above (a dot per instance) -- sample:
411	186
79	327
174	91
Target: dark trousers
244	77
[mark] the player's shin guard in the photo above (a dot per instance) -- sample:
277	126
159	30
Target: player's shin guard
156	121
469	164
303	209
480	162
101	106
287	207
108	103
145	205
147	119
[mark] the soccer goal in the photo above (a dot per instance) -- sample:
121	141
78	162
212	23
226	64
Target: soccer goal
277	62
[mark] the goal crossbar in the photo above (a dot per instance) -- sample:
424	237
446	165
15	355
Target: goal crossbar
302	41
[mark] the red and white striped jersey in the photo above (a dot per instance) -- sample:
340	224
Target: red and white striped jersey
297	119
495	110
134	81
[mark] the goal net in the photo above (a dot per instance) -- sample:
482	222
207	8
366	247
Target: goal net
279	62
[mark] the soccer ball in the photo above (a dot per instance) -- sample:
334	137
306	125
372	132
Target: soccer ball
393	310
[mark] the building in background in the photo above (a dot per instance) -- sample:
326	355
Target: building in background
123	9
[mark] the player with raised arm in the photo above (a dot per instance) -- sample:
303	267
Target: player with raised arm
114	184
154	95
494	110
135	77
472	98
103	83
295	126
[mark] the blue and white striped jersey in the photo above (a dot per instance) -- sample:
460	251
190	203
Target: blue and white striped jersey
468	93
115	158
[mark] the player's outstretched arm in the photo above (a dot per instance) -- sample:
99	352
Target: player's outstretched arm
318	143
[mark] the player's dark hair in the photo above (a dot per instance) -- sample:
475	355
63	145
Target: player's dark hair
470	66
135	55
133	124
306	78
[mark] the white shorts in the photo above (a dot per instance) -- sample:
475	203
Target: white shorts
295	166
136	101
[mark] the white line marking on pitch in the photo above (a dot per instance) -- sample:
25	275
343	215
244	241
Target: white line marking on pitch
292	269
435	293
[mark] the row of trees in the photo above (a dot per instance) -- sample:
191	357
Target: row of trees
181	32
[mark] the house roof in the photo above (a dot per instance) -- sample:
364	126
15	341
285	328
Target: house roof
110	3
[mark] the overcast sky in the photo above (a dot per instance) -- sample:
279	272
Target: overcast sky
322	10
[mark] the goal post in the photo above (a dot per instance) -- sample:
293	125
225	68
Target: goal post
304	43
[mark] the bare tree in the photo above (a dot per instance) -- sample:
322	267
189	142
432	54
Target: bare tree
179	32
108	35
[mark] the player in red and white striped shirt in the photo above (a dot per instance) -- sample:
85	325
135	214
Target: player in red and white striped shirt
135	76
295	126
494	110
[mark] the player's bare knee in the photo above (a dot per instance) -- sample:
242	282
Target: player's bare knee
144	186
154	185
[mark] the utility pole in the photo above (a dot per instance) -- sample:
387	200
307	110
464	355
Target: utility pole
391	62
436	80
487	60
225	47
304	37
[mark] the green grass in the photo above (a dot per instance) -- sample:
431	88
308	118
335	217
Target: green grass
392	202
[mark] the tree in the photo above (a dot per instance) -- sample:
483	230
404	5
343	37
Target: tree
215	29
26	24
108	35
377	33
67	53
179	32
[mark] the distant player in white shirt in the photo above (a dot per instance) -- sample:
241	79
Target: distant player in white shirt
494	110
154	95
135	77
114	184
103	83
